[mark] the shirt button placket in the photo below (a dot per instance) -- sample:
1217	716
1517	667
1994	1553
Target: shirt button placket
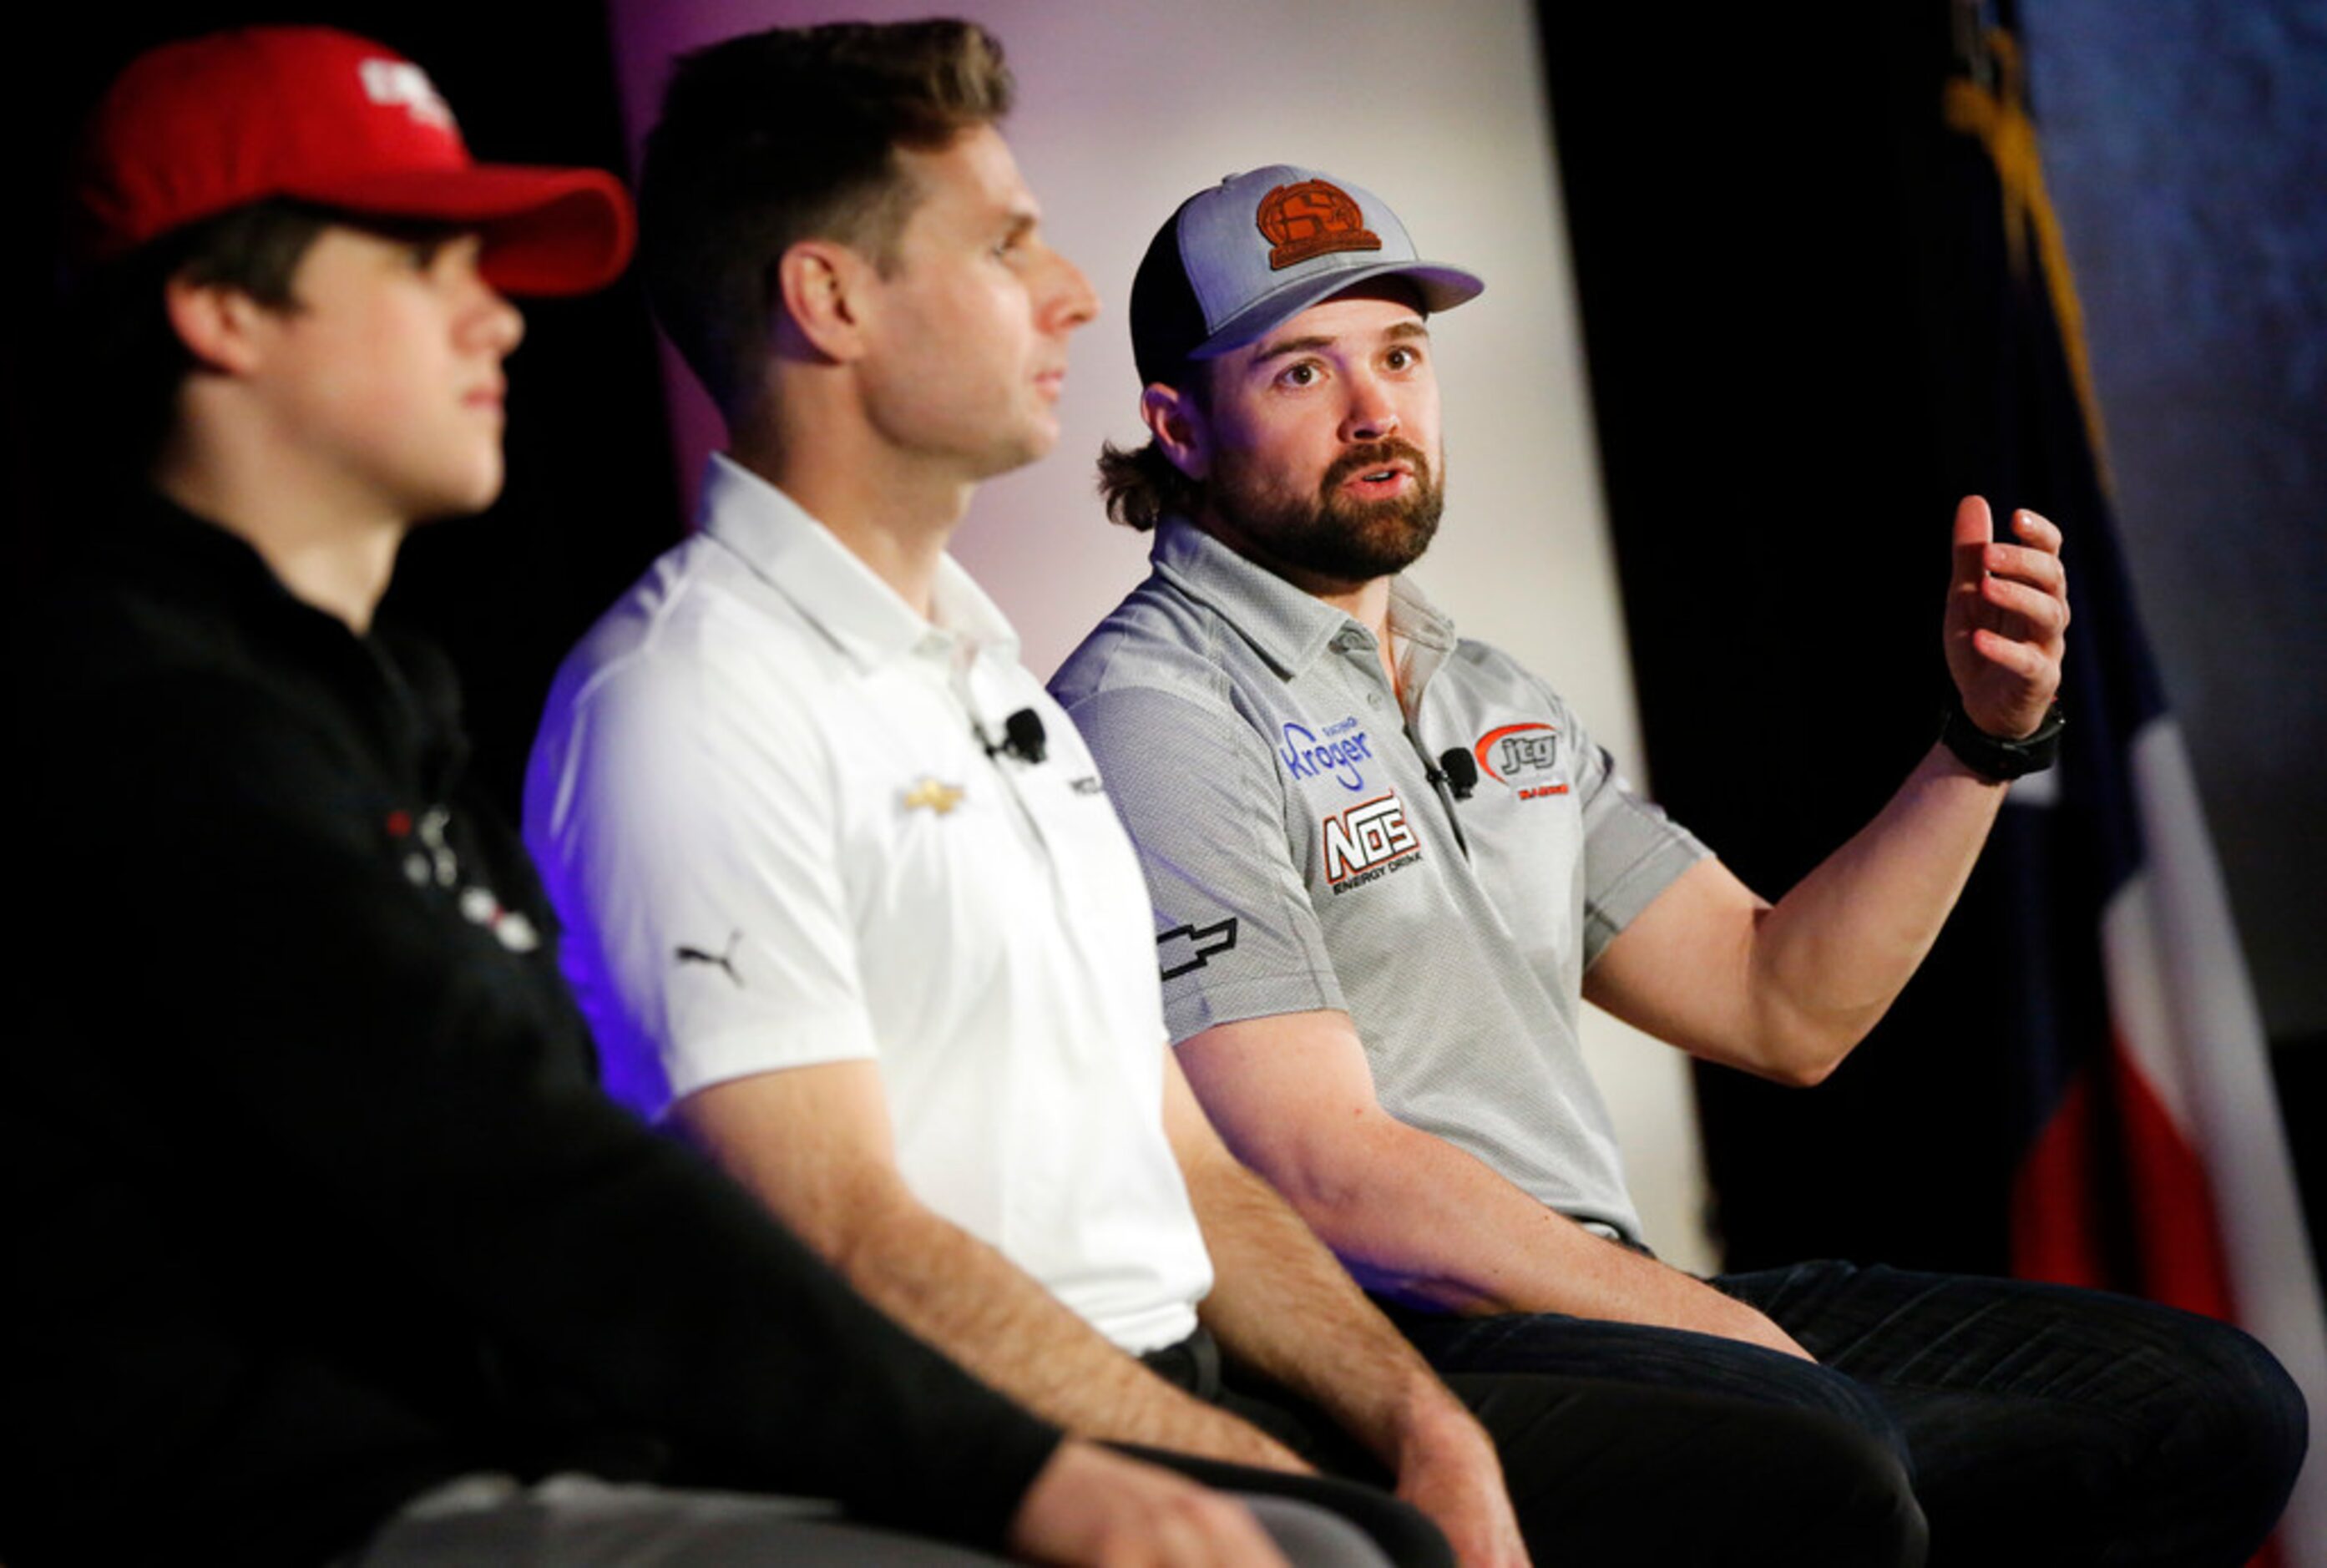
1357	649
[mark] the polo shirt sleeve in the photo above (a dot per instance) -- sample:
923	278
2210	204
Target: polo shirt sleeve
684	817
1632	851
1202	798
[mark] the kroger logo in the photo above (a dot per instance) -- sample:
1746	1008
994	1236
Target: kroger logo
1307	757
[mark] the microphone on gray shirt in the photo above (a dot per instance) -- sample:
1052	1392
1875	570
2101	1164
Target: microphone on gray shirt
1458	770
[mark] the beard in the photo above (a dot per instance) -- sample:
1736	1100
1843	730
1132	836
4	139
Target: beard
1326	533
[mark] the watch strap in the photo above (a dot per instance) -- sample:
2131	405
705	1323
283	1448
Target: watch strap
1999	760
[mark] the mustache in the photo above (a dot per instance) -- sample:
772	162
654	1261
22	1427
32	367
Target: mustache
1376	454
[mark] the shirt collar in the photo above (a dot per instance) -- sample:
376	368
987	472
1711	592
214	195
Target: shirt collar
1288	625
866	618
192	559
223	587
156	540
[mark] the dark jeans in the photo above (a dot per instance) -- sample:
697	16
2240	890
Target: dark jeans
2040	1424
1608	1474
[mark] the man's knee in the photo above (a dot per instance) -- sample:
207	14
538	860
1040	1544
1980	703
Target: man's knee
1825	1488
2214	1429
2235	1452
1613	1473
2257	1407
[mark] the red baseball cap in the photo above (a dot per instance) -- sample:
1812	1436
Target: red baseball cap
199	127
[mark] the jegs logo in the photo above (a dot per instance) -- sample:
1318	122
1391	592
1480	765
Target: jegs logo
1524	756
1368	842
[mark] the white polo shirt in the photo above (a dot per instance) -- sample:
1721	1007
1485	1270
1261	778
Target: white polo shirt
764	804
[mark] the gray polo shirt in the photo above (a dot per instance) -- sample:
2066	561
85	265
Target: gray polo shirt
1304	851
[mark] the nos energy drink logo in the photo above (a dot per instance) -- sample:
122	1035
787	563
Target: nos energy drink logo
1368	842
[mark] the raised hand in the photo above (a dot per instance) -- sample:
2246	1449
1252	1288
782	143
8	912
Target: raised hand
2007	615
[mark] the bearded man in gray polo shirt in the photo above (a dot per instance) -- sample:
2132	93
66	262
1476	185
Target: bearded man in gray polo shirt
1389	865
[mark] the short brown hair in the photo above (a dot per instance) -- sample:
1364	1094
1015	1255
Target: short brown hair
129	360
782	136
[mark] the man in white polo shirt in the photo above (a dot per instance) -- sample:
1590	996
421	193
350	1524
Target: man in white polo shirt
848	904
843	896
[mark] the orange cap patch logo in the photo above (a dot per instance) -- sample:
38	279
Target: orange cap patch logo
1310	220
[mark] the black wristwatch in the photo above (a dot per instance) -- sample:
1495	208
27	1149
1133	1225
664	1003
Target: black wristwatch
1999	760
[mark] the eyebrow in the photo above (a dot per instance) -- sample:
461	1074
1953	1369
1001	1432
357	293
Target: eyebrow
1414	328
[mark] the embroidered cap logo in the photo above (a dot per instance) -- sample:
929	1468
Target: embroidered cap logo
392	83
1313	219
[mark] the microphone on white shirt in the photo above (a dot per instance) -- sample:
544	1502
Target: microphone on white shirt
1022	737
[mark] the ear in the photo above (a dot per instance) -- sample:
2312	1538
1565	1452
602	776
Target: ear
825	289
218	323
1179	427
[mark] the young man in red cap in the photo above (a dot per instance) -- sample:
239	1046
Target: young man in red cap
324	1240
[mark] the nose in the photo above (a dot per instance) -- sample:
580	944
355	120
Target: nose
499	325
1073	300
487	320
1371	413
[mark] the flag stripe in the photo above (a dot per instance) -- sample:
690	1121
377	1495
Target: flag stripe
2160	1164
2193	1015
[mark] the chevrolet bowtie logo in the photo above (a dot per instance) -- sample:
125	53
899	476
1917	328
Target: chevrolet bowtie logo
931	796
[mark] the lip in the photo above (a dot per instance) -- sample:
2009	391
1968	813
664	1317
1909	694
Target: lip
1050	383
493	396
1397	473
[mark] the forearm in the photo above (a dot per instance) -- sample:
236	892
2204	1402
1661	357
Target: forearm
1787	990
1410	1214
1284	1307
987	1314
1829	959
1421	1220
812	1144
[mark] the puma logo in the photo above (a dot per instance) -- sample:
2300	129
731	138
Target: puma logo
724	958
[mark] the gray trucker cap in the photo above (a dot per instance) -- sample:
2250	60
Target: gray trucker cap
1257	249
